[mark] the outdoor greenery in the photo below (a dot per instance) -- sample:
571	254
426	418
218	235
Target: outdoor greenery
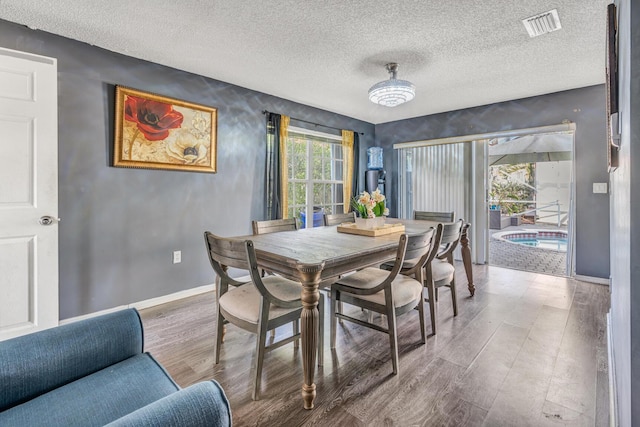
314	167
511	183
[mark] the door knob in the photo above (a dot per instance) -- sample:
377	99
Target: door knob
48	220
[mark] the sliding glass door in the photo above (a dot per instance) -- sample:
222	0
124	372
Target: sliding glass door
445	178
453	174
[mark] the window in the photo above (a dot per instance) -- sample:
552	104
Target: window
314	175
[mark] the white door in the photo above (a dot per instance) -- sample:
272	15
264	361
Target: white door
28	193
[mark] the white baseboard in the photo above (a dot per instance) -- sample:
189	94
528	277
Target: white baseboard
613	401
146	303
597	280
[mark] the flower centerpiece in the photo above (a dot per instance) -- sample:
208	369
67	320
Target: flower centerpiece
371	209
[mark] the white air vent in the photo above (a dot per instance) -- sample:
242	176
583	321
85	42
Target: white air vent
543	23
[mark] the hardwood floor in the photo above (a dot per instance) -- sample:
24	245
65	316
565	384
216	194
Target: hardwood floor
526	350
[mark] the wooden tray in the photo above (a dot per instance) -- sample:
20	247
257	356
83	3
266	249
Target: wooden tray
352	228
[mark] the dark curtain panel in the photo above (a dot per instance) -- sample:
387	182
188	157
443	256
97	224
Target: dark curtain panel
272	200
356	164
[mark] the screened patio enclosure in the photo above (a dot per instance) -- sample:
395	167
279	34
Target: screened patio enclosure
453	174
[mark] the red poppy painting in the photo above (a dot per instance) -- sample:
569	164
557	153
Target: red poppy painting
157	132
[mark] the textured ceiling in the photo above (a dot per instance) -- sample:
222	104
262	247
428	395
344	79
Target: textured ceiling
328	53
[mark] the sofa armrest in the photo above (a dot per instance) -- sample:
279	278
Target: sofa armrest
202	404
34	364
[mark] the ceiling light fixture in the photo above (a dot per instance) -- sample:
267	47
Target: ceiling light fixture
392	92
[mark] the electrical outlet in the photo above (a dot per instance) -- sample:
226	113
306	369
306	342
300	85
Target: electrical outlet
600	188
177	257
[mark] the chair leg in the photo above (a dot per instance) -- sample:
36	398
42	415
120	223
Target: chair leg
321	331
334	307
432	305
421	314
295	327
261	339
219	337
454	298
393	336
436	293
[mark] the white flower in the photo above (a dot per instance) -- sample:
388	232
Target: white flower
377	196
184	146
368	204
365	198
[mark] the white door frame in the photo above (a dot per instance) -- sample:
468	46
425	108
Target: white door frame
28	193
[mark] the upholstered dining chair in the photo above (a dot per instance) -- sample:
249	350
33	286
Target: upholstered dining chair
417	267
257	306
274	225
337	219
441	270
385	292
434	216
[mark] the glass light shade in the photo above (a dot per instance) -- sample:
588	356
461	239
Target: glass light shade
392	92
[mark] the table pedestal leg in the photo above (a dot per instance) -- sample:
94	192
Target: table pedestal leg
466	257
310	275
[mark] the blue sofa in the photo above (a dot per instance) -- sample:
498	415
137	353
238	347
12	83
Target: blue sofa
93	373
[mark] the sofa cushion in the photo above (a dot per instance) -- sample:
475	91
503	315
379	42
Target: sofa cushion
97	399
37	363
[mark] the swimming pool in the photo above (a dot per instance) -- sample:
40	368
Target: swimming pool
555	240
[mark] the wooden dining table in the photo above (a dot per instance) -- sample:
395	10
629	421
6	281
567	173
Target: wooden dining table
316	257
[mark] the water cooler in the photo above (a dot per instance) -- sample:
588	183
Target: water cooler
375	174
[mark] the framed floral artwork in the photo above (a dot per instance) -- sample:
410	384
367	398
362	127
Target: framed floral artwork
156	132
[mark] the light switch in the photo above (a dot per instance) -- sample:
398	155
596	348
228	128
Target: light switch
600	188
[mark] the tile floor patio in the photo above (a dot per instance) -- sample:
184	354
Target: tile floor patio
527	258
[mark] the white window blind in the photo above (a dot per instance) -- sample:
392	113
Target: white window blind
434	179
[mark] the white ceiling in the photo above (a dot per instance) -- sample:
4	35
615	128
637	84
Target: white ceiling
327	53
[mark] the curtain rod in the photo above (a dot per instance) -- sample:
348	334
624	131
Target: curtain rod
311	123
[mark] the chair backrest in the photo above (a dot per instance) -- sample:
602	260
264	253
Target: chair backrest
451	234
409	247
434	216
224	252
274	225
424	247
419	245
337	219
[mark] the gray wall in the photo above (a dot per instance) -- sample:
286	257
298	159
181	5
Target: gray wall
625	208
120	226
585	107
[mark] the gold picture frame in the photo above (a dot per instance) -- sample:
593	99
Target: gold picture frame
158	132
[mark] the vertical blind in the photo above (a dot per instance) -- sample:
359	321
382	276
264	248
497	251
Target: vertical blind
438	180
